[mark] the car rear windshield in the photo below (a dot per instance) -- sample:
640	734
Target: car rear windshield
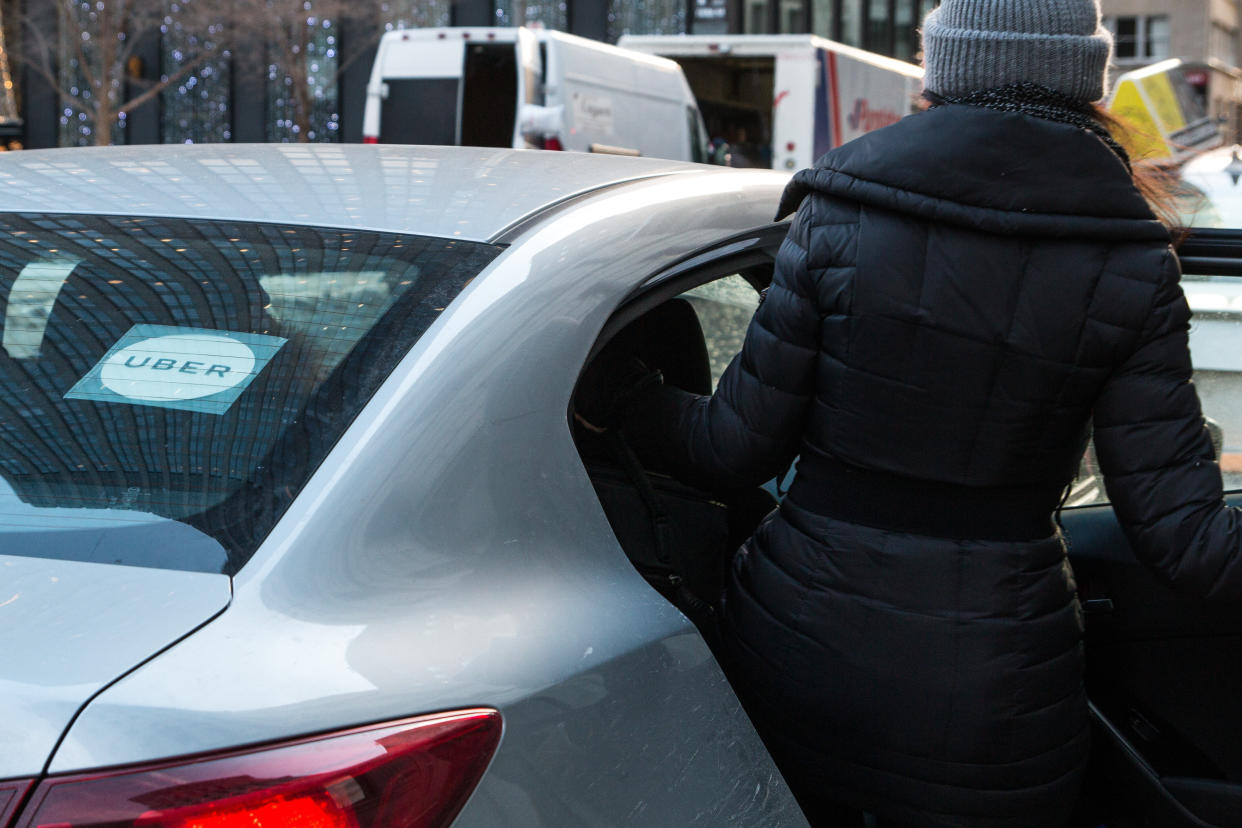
168	386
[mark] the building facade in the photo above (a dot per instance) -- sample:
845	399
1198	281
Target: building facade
887	27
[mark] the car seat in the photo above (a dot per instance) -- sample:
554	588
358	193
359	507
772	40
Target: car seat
680	538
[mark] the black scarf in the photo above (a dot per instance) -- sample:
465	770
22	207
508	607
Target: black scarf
1039	101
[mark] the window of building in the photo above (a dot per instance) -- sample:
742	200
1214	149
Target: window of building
823	16
710	17
757	17
1223	44
905	30
879	27
793	17
551	14
1139	37
852	22
647	17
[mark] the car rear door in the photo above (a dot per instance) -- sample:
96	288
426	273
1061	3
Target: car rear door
1163	669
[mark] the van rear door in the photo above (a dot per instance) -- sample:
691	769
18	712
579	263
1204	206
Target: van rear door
422	92
499	76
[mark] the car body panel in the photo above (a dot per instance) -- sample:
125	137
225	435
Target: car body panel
68	628
451	551
407	189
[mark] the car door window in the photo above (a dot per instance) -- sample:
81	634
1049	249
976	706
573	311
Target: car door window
724	308
689	326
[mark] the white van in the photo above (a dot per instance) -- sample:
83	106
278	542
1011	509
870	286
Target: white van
784	100
529	88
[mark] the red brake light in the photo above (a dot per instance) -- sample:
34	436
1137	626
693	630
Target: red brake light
370	139
416	773
551	142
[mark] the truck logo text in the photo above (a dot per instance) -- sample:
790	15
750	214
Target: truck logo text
865	119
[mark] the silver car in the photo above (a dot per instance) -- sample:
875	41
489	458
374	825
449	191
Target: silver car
297	527
294	529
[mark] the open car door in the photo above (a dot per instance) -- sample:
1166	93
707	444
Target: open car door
1164	670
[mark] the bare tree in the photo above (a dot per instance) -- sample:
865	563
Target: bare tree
87	54
309	44
302	46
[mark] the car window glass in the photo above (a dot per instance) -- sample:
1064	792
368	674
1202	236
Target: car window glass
724	307
1208	193
1215	334
168	386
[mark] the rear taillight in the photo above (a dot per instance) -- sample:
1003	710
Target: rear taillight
416	773
551	142
370	139
10	797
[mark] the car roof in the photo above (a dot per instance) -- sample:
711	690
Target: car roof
461	192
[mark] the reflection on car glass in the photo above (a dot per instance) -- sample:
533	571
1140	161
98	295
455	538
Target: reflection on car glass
1208	193
30	304
196	372
111	535
332	301
724	307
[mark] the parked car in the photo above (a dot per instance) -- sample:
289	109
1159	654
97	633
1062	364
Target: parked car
295	522
291	518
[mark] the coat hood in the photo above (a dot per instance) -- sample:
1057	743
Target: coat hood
1003	172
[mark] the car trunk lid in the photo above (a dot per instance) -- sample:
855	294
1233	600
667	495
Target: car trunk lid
69	628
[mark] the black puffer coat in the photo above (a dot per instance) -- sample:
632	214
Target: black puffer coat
960	294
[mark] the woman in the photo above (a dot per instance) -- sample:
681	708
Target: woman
960	295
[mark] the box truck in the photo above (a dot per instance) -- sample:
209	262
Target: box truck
784	100
529	88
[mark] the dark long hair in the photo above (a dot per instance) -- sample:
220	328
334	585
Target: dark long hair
1156	179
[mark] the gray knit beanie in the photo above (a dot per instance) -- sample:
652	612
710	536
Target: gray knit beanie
972	45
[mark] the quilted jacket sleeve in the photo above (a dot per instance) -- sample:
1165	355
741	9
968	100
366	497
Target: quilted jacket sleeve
1158	461
750	429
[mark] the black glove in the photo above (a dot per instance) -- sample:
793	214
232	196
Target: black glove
612	383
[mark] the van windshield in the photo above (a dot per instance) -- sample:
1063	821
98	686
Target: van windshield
168	386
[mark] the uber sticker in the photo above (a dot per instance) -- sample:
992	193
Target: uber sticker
192	369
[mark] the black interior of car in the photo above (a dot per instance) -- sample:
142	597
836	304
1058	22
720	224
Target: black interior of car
1163	675
680	538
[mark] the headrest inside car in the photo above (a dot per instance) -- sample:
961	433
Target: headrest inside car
670	338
